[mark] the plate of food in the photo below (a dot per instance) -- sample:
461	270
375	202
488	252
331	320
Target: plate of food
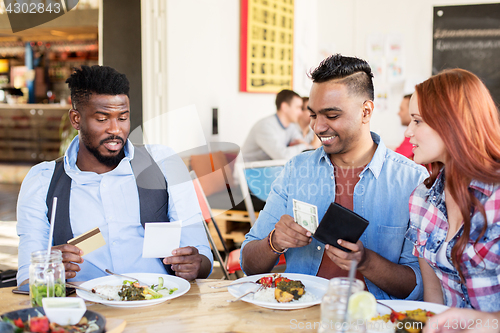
286	291
34	320
408	316
124	292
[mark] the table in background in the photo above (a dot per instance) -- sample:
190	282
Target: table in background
202	309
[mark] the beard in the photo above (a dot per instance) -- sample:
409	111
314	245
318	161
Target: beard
109	161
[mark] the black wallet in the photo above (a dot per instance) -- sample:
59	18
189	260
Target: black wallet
340	223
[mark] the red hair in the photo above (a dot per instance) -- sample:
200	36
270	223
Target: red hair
458	106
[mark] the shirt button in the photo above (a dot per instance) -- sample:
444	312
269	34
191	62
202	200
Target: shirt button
332	177
114	243
319	248
103	185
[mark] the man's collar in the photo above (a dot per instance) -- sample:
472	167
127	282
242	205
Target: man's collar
71	153
279	121
377	160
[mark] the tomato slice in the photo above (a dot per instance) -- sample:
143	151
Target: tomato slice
266	281
39	324
281	279
19	323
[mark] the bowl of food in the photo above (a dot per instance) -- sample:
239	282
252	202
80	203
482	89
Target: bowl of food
64	310
35	320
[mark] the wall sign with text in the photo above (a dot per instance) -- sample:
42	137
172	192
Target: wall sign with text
266	49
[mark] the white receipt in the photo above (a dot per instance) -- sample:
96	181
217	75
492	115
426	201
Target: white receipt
161	238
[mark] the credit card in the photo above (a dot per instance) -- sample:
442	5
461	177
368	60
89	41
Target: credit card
89	241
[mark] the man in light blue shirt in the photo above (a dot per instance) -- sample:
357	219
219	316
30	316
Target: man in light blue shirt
278	136
104	191
353	167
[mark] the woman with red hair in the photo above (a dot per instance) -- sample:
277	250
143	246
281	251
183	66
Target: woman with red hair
455	213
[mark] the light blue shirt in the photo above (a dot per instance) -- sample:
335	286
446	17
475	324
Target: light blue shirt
381	196
269	140
109	201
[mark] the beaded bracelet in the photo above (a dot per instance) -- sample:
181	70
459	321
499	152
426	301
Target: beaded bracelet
271	244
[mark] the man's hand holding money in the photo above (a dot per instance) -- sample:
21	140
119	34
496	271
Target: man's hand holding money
305	215
289	234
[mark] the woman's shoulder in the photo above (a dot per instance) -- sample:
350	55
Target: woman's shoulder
419	193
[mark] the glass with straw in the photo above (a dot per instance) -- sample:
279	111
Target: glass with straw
334	315
47	275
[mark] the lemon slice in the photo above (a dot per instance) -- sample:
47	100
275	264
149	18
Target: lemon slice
362	305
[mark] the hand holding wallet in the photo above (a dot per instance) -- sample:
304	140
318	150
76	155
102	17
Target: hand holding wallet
340	223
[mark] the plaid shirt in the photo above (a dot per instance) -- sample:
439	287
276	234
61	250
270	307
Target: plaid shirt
480	263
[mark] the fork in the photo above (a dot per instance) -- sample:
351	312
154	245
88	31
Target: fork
127	277
245	294
387	306
92	292
231	284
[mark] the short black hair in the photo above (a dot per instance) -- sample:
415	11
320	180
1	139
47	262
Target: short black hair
285	96
355	73
100	80
407	96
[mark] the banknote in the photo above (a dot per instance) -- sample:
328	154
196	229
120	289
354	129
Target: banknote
306	220
305	207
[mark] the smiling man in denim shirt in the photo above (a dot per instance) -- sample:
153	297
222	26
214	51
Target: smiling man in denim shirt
355	169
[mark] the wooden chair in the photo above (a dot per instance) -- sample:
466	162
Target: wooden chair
207	218
231	265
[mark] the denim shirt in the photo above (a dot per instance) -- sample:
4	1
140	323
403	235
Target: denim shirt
381	196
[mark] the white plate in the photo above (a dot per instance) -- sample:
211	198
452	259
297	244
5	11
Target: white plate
402	305
313	284
169	281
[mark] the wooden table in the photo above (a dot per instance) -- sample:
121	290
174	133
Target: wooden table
202	309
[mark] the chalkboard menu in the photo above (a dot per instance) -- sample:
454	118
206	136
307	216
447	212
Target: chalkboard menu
468	37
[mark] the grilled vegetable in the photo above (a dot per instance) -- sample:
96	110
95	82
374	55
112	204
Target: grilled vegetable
282	296
132	292
293	288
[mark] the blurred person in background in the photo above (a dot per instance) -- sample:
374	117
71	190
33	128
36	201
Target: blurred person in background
278	136
304	123
405	148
